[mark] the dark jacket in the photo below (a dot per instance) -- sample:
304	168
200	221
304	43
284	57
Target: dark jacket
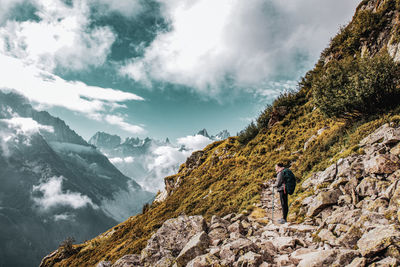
280	181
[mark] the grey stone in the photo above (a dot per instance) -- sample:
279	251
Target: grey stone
250	259
318	259
171	238
195	247
323	200
378	239
104	264
128	261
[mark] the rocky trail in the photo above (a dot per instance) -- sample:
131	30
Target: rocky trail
351	219
270	202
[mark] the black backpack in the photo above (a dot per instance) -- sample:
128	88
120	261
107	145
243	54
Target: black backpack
289	180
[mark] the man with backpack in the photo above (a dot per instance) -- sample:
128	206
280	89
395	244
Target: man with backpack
286	183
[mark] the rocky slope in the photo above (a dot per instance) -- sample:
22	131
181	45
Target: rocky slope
344	210
351	220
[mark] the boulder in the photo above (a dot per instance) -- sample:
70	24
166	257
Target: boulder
379	205
382	164
266	249
389	192
344	216
394	176
282	243
236	227
128	261
282	260
317	178
351	237
301	254
395	150
369	220
378	239
384	134
393	251
104	264
196	246
386	262
319	258
345	256
367	187
395	197
250	259
269	234
205	260
358	262
218	222
327	236
231	250
165	261
217	234
323	200
172	237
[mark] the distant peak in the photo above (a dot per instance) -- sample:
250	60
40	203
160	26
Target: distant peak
203	132
105	140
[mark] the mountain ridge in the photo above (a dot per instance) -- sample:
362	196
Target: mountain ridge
54	184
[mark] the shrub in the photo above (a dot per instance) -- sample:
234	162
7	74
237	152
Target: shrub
356	88
66	247
248	133
263	118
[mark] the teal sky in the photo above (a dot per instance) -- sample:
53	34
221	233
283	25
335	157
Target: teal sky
182	65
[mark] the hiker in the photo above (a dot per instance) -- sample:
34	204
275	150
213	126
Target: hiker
286	183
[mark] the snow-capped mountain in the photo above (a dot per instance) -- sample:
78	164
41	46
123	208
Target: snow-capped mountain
219	136
204	132
149	160
54	185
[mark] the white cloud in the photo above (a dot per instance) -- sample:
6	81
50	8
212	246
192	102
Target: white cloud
167	157
193	143
165	160
118	160
64	217
127	8
26	125
244	42
51	90
117	120
5	6
18	130
53	196
63	37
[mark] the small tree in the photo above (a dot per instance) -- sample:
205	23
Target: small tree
248	133
66	247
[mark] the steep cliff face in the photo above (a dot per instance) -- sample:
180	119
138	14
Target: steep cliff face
343	179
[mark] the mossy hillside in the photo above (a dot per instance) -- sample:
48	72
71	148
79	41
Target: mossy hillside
232	173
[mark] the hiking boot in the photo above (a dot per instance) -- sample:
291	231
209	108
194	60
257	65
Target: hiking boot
282	221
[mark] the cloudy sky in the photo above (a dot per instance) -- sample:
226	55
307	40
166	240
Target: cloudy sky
161	67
